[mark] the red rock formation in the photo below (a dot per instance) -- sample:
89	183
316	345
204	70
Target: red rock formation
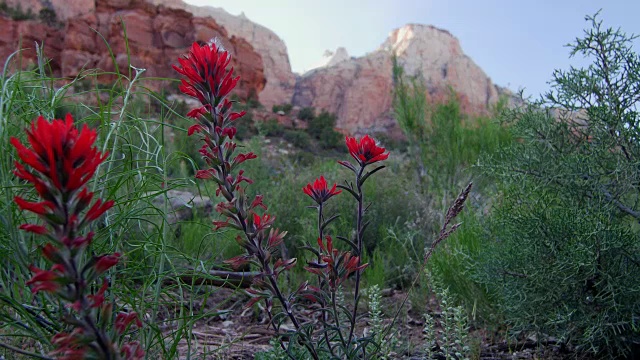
277	69
156	37
359	91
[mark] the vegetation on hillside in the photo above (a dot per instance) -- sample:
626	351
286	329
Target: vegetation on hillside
547	247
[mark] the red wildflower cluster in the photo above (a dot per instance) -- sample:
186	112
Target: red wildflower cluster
59	162
209	81
319	191
206	70
336	265
365	151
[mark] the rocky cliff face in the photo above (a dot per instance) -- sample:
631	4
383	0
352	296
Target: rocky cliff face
157	36
277	68
359	90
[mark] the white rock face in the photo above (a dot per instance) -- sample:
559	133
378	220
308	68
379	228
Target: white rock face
277	68
330	58
436	55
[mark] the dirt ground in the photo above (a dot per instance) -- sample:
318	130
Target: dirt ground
237	333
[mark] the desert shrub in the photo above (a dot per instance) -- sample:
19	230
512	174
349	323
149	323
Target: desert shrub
321	128
441	139
298	138
307	113
442	143
48	16
271	128
563	256
286	108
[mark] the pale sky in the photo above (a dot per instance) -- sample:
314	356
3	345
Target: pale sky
517	43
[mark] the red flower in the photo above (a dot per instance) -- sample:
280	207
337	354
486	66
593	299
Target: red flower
46	280
40	230
98	209
60	155
132	351
196	113
319	191
123	320
106	262
263	222
240	158
194	129
98	298
41	208
365	151
206	70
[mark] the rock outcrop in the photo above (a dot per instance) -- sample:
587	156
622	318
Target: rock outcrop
280	80
359	91
330	58
156	35
64	9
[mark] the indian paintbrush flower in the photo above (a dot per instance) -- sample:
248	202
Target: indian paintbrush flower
59	161
365	151
319	191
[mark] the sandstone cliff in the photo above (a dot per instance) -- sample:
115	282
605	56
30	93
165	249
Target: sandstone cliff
277	68
157	36
359	91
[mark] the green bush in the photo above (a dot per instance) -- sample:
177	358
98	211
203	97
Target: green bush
48	16
321	128
564	254
272	128
298	138
286	108
307	113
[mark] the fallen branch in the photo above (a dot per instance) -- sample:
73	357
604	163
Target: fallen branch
221	278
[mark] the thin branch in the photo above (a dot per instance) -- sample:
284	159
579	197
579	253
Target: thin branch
24	352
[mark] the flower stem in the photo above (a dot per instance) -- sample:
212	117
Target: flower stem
323	303
359	217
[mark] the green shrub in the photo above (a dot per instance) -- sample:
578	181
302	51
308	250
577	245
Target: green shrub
286	108
321	128
48	16
271	128
298	138
307	113
564	254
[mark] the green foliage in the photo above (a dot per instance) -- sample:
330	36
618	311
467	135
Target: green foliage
286	108
48	16
376	271
16	13
563	258
454	263
298	138
307	113
441	139
447	334
382	348
271	128
321	128
441	144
